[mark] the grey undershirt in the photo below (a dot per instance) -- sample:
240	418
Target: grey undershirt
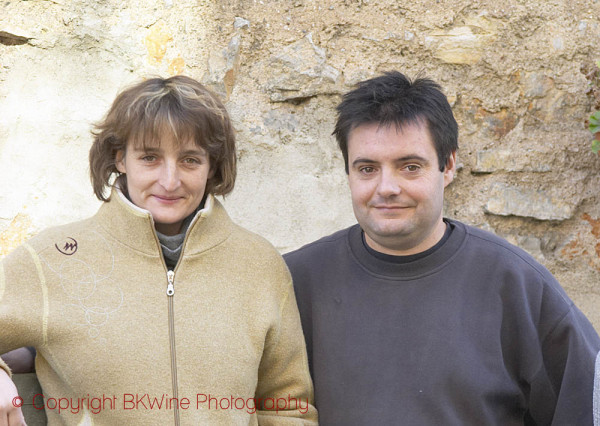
171	245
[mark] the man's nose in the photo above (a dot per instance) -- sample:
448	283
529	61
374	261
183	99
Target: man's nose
389	183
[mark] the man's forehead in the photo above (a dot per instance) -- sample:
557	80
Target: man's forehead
376	132
419	123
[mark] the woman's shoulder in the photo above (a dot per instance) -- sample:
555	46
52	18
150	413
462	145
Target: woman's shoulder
239	237
64	238
249	240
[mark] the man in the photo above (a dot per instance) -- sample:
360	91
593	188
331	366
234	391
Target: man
414	319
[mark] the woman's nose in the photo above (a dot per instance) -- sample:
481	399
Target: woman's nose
169	176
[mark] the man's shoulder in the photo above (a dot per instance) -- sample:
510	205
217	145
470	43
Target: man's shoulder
488	245
481	237
320	247
313	262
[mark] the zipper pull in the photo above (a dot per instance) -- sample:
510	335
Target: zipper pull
170	287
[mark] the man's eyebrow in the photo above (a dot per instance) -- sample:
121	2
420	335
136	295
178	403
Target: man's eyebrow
362	161
413	157
406	158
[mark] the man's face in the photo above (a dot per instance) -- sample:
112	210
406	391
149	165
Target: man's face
397	187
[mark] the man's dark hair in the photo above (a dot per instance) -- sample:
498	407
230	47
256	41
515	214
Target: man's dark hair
393	99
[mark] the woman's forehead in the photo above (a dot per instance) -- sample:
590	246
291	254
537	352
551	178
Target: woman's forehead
154	131
165	143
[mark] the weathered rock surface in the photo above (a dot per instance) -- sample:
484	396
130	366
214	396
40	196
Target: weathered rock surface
222	68
507	200
465	43
300	71
500	159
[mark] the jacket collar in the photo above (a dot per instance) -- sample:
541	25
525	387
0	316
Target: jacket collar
134	226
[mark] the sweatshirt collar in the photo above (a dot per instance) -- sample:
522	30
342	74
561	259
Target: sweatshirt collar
411	270
134	226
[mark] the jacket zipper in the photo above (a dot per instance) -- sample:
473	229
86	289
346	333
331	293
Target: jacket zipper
170	293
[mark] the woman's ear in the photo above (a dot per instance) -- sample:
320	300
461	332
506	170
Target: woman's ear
120	161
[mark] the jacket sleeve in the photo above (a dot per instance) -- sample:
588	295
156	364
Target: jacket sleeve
562	390
5	367
22	298
284	395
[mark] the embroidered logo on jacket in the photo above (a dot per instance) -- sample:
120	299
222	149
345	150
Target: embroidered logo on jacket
68	248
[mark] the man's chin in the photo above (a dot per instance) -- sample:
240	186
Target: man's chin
391	229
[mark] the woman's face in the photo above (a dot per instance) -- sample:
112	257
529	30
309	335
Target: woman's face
167	180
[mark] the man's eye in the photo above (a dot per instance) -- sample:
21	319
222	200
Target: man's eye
367	169
191	160
413	168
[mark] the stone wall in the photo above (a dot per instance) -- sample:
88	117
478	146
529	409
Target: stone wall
511	69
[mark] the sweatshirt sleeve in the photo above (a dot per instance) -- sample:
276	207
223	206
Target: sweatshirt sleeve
597	392
562	390
284	395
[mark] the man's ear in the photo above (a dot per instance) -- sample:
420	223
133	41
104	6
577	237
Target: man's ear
450	169
120	161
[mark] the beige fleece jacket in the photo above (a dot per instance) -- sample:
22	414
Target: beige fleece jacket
224	346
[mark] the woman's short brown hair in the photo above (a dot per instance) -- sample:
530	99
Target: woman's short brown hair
178	107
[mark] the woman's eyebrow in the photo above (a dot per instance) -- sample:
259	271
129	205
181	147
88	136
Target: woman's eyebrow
146	148
200	152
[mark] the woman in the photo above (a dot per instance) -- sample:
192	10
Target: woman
158	309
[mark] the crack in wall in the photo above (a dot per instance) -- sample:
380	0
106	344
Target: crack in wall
9	39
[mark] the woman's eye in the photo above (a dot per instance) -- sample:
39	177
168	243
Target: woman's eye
149	158
191	161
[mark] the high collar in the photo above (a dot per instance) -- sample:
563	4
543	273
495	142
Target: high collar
134	226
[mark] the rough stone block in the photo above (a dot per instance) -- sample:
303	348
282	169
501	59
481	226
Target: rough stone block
159	35
493	160
462	44
507	200
240	23
493	124
301	71
537	85
222	68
